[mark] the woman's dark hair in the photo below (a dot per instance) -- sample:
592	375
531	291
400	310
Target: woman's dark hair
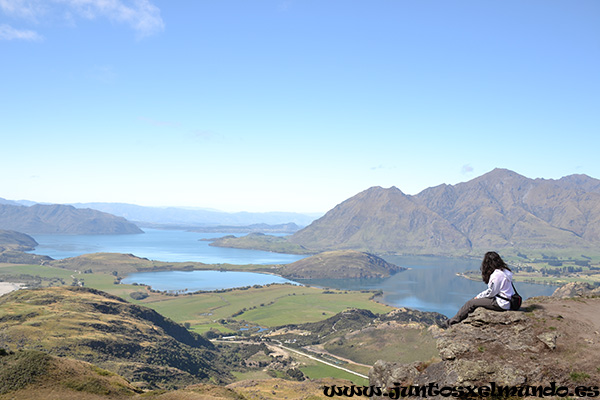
491	262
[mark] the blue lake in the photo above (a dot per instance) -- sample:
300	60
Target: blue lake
157	244
192	281
431	284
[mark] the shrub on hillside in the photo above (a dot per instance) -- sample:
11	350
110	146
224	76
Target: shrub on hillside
138	295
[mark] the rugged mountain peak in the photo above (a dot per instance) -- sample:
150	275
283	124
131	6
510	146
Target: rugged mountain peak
498	210
381	220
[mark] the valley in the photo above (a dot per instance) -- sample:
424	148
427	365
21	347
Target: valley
279	311
266	339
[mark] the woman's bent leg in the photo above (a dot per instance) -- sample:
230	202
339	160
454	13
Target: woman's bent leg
471	305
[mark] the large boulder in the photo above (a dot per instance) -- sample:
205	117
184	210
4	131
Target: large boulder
576	289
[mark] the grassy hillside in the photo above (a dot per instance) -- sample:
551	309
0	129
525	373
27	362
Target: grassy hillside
365	337
27	375
36	375
11	240
93	326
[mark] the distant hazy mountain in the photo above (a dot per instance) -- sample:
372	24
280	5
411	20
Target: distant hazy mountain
9	202
62	219
199	217
498	210
254	228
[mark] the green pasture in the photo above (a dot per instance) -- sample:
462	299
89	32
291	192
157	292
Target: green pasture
310	305
267	306
319	370
35	270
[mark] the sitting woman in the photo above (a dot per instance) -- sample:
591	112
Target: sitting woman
498	277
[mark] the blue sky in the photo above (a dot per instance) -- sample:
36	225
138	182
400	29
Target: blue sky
290	105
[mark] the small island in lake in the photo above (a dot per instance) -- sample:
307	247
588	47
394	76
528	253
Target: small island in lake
340	264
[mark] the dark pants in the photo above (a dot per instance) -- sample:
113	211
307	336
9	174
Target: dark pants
471	305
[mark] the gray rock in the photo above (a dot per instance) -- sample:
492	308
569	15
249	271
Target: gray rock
576	289
503	347
549	339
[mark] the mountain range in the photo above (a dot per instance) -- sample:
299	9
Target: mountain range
62	219
189	217
186	218
498	210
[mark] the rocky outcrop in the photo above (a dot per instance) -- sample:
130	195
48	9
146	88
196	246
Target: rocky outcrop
576	289
550	340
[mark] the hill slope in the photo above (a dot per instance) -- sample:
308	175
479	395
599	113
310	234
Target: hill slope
36	375
342	264
61	219
500	210
11	240
133	341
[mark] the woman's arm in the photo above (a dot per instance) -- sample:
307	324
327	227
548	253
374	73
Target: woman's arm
493	287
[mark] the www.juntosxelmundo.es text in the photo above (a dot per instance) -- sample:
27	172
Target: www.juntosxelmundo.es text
433	389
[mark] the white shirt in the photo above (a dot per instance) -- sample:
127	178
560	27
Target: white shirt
500	284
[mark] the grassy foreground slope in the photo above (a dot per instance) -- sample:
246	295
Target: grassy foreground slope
27	375
93	326
37	375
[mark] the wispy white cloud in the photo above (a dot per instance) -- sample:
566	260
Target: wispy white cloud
28	9
466	169
7	32
141	15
